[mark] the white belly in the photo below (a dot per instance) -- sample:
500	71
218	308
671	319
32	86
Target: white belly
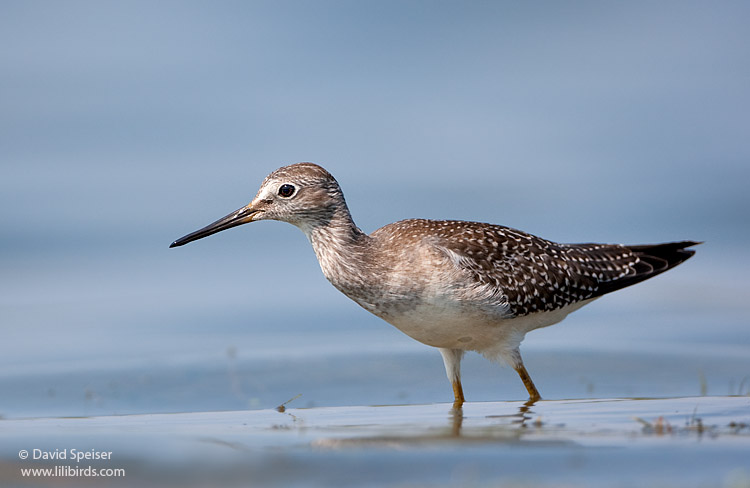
446	326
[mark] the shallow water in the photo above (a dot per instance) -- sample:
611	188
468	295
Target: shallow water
230	382
688	442
674	438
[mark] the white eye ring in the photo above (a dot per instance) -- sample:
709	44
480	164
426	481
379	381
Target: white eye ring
287	190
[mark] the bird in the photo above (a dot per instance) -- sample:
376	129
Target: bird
454	285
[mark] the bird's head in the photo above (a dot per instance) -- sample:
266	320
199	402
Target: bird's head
302	194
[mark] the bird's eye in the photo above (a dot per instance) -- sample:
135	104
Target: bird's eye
286	190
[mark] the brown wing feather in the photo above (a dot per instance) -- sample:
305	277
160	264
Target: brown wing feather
530	274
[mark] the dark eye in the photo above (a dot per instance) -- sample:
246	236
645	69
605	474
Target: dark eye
286	190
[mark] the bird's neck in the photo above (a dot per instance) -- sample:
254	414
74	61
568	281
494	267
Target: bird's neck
342	250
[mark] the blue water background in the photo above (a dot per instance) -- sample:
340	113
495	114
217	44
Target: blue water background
124	126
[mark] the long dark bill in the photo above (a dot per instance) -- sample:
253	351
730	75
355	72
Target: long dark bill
238	217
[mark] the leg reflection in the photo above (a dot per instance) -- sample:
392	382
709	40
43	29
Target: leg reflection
523	415
456	419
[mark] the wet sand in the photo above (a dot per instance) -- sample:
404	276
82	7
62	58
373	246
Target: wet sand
686	442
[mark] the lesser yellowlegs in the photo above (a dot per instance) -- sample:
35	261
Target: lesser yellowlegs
458	286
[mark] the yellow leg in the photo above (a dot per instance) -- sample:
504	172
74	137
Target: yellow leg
452	361
458	394
533	392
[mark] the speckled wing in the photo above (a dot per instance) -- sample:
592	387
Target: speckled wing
526	274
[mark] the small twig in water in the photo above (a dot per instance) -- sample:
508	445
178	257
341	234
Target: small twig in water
282	408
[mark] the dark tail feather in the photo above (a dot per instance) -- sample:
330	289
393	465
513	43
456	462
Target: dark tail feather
658	258
654	259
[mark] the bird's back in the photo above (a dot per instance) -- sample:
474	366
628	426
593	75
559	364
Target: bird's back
525	274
